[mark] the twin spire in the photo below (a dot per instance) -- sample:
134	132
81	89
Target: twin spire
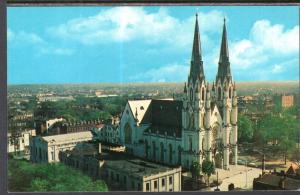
196	70
224	64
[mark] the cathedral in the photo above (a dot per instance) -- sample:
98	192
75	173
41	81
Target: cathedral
201	126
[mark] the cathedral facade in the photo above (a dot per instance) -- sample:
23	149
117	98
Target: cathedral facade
201	126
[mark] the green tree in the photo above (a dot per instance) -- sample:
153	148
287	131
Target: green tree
208	168
195	170
245	129
281	130
26	177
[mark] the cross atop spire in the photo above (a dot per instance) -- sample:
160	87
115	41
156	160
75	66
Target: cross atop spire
196	61
224	64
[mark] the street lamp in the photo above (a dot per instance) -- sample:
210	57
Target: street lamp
246	173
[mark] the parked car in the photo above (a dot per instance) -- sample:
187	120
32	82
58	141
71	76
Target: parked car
252	164
240	162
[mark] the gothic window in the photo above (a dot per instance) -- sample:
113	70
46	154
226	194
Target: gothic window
215	139
202	94
190	143
179	155
191	94
147	149
153	150
229	92
219	93
170	153
202	120
203	144
192	122
128	134
162	152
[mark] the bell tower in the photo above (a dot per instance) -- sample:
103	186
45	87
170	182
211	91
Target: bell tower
194	106
224	95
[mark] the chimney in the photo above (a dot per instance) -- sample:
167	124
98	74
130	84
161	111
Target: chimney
99	148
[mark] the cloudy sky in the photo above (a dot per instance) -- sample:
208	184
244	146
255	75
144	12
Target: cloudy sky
148	44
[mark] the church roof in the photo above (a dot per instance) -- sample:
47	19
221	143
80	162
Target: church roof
139	108
166	117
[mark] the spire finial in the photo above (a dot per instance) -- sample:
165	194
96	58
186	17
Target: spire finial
224	20
196	15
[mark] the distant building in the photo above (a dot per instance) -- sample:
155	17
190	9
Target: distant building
45	125
107	133
53	98
64	127
287	101
47	148
289	180
20	143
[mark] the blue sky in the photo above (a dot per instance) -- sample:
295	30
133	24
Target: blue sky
148	44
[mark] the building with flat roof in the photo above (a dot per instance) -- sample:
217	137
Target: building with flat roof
47	148
122	171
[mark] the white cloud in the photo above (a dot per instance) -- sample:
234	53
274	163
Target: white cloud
168	73
57	51
277	68
265	42
22	38
275	37
122	24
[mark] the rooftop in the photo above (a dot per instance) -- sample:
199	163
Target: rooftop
274	180
70	137
138	167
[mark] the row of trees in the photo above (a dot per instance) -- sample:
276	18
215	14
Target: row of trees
278	129
26	177
83	108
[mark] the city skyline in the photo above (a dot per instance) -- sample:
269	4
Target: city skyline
148	44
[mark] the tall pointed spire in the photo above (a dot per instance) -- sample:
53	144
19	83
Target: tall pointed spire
196	61
224	64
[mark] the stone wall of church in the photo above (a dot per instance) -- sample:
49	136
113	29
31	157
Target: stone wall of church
162	148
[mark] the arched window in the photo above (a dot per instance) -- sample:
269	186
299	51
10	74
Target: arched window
179	155
161	152
219	93
128	134
202	120
191	94
190	144
170	153
203	144
202	94
153	150
230	92
147	149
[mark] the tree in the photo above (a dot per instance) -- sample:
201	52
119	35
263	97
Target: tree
208	168
195	170
26	177
281	130
245	129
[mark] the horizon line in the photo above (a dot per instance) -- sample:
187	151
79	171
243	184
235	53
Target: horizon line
124	83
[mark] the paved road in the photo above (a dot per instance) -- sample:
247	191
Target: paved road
240	179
